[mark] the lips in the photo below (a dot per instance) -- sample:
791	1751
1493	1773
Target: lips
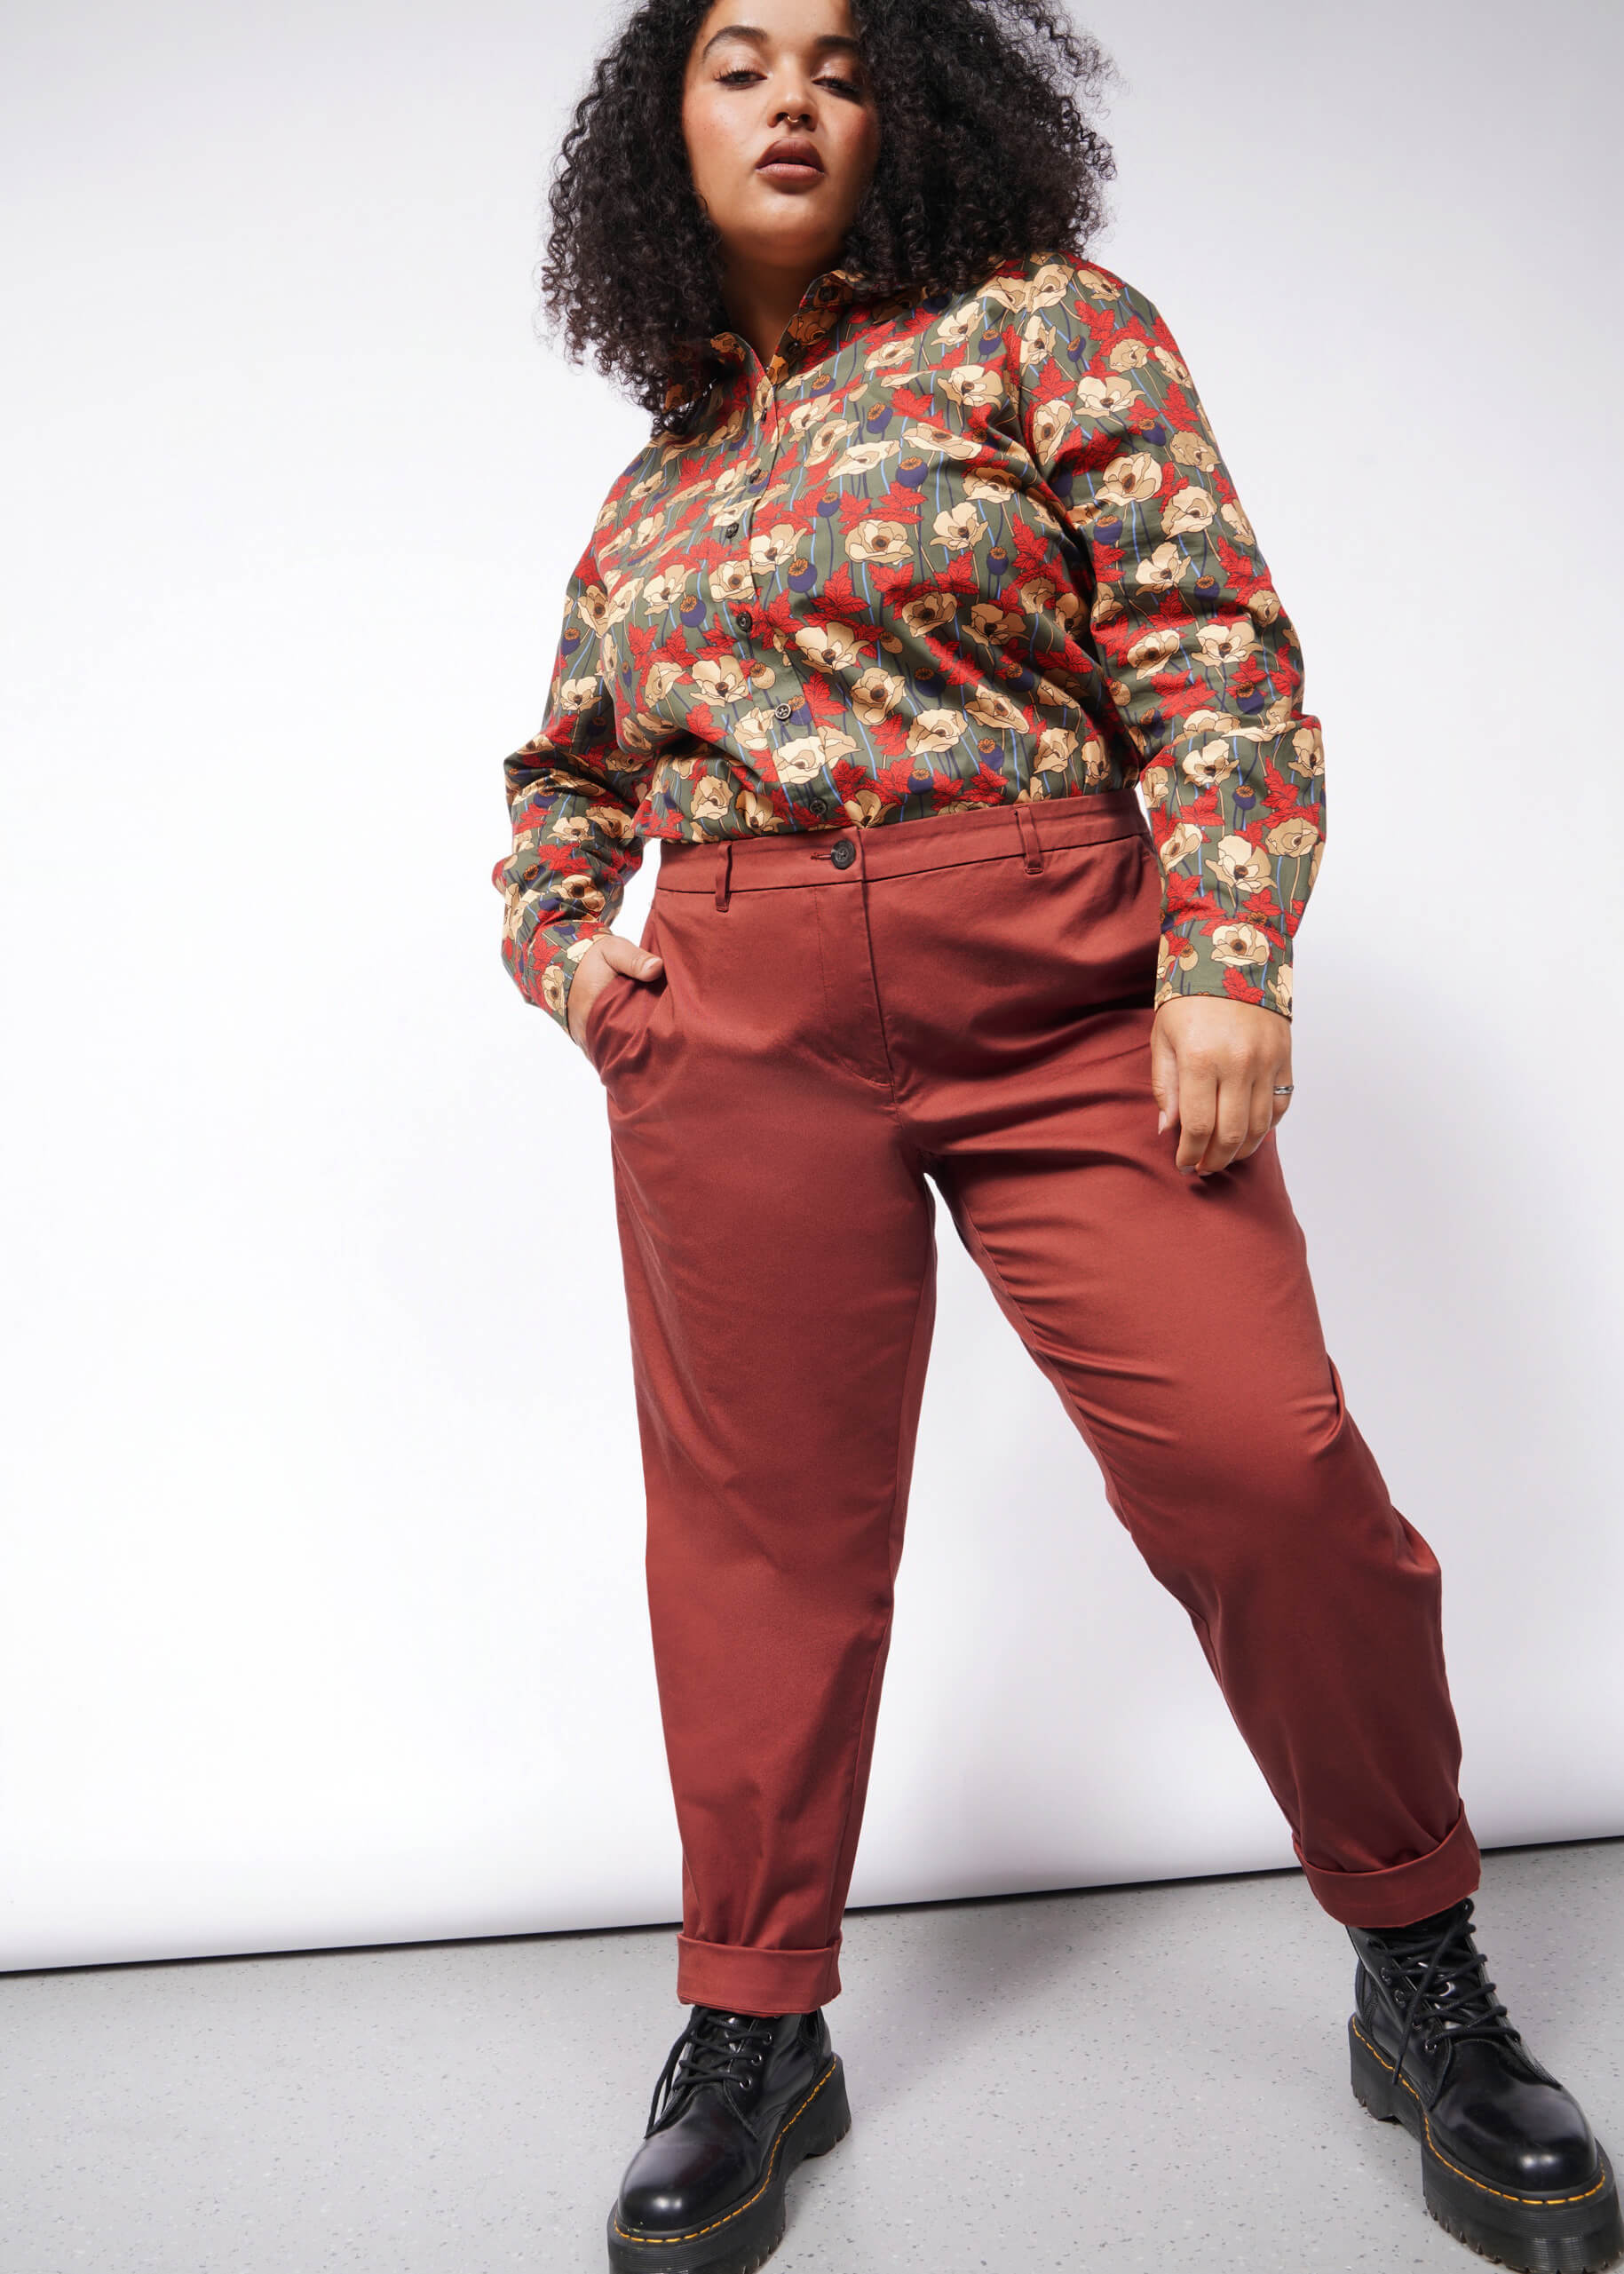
790	161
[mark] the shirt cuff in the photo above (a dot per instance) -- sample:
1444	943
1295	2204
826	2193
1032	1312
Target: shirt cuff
1231	961
545	967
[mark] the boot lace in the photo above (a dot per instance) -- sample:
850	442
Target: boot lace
716	2048
1448	1984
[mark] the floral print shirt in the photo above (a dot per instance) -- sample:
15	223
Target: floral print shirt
940	551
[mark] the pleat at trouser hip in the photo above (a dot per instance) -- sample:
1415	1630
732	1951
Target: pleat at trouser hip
845	1021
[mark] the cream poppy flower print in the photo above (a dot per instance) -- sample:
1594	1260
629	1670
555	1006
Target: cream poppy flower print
991	623
932	438
876	694
1307	752
826	646
1240	866
801	760
960	325
730	581
667	591
1212	764
1106	398
960	528
773	547
988	707
1037	339
1188	511
1191	450
863	458
925	612
971	387
664	674
723	678
1155	650
935	730
1161	569
710	799
1180	844
1239	944
876	540
1292	837
1130	481
978	546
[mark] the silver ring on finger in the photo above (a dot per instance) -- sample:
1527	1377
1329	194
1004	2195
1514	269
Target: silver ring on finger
1284	1089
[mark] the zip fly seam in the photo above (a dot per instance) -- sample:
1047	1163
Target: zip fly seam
830	947
861	881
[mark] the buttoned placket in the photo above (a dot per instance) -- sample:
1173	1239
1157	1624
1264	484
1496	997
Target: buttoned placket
765	415
762	437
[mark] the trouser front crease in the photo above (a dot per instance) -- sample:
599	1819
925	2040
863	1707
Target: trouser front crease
966	1004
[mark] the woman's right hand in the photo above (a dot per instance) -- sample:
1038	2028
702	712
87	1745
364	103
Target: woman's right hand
607	955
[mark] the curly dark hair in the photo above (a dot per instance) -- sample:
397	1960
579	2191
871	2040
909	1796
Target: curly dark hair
986	152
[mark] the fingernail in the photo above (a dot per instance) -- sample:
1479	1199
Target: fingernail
1161	1123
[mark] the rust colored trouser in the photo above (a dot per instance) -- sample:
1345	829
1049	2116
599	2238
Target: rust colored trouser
841	1014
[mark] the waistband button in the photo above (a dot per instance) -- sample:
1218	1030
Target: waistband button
844	853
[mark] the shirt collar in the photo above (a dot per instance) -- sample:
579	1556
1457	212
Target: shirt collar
827	293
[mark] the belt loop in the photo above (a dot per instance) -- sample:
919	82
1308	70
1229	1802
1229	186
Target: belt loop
725	873
1031	849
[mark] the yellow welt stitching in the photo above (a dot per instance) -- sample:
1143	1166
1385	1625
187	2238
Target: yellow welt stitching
663	2242
1554	2201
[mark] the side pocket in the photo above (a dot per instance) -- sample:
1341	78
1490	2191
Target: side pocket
616	1025
590	1034
600	1017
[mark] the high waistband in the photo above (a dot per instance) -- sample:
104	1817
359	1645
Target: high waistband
812	857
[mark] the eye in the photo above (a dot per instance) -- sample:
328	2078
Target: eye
843	86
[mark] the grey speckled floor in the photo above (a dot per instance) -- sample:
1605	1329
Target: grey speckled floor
1139	2079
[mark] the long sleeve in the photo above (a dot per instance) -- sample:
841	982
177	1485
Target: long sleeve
1203	665
572	795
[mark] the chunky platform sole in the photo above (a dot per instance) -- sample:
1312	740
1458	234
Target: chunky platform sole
1577	2232
739	2240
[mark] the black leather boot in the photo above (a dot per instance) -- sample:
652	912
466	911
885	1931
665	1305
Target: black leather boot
1509	2163
745	2100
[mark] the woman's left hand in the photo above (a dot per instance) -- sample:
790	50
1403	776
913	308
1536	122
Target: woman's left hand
1216	1068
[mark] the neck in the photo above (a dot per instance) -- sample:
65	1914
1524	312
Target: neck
761	299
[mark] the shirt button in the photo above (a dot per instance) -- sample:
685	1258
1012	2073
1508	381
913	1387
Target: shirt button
844	853
784	710
728	529
745	618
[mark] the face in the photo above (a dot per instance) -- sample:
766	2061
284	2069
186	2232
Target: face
763	73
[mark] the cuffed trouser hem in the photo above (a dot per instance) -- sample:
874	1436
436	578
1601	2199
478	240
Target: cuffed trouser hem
744	1981
1404	1893
965	1002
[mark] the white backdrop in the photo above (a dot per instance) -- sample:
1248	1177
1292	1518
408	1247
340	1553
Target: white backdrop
322	1616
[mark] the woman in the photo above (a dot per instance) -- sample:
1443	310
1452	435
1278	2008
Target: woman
930	569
